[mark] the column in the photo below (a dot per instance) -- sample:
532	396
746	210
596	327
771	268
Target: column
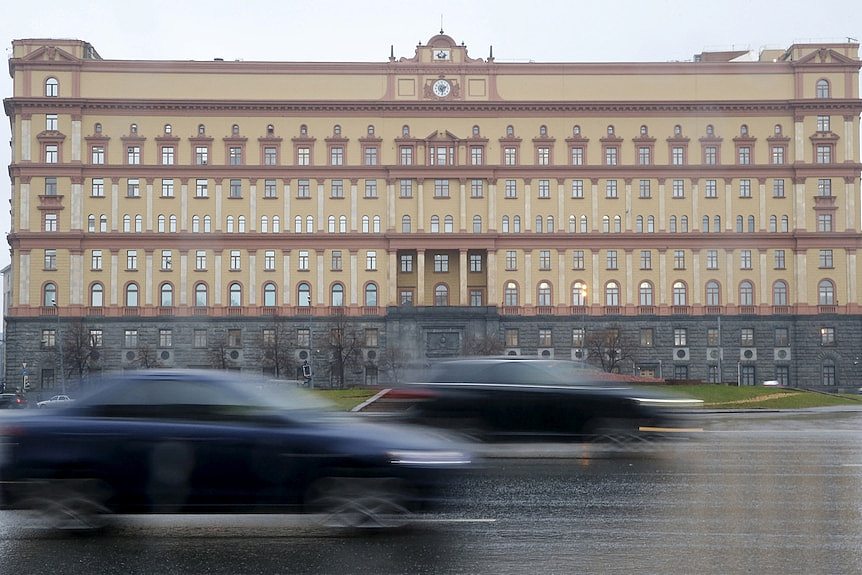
148	277
528	215
25	137
217	283
354	276
761	188
697	287
24	205
561	205
76	138
661	213
391	224
629	279
462	279
662	277
354	204
320	288
420	225
420	277
695	205
391	279
594	201
492	205
596	288
462	203
320	197
491	279
285	216
730	287
765	288
76	277
115	202
848	139
628	222
112	288
287	288
801	278
252	206
252	276
148	196
562	289
184	206
528	277
799	140
728	207
184	277
799	203
24	278
850	202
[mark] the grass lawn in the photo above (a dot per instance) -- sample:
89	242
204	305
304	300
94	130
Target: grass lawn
760	397
345	399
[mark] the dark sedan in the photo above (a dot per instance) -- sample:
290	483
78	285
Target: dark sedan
518	399
190	441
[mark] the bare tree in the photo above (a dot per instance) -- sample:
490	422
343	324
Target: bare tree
218	351
483	345
394	361
79	350
344	348
277	347
609	348
147	357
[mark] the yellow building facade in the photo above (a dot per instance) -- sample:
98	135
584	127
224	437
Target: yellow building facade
167	207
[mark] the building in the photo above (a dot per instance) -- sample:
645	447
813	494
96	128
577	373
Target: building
244	215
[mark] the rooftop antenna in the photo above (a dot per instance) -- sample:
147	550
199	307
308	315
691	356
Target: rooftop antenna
441	24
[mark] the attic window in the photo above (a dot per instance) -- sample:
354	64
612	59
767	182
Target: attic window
822	89
405	130
644	131
370	130
97	128
710	130
475	130
336	130
543	131
234	130
202	130
52	88
677	130
303	130
576	130
133	129
270	130
168	129
510	131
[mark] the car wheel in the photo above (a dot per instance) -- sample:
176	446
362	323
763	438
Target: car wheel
68	505
613	430
360	502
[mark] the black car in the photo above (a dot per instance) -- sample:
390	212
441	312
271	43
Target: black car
519	399
13	401
196	441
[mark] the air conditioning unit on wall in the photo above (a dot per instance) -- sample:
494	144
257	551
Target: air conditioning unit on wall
371	355
234	355
513	351
714	354
129	356
546	352
680	354
782	354
165	356
748	354
579	354
303	355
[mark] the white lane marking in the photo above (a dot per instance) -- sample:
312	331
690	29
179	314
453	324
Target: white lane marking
443	520
851	465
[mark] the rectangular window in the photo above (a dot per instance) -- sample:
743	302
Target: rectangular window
201	155
578	259
678	188
337	262
133	188
611	189
477	188
544	188
509	156
51	122
826	259
96	338
50	186
235	189
166	260
476	299
778	188
168	156
644	190
49	338
744	155
646	259
577	188
511	260
712	259
50	259
270	156
441	263
710	189
51	222
824	154
677	156
370	188
543	156
746	337
644	156
52	154
441	188
201	188
337	189
406	264
133	155
824	187
302	260
200	339
745	188
98	188
777	154
647	337
779	259
303	337
371	337
511	337
131	260
96	260
544	260
370	156
824	222
165	338
680	337
611	154
678	259
782	375
477	155
823	123
405	297
827	336
745	259
406	155
269	260
130	338
303	189
782	337
713	336
270	189
167	188
579	336
475	263
235	260
406	188
511	189
336	156
710	155
303	156
371	261
545	337
200	260
612	259
680	372
97	155
234	338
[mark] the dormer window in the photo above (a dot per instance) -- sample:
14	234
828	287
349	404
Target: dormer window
543	131
303	130
133	129
743	130
97	128
234	130
677	130
52	88
405	131
168	129
510	132
336	130
822	89
202	130
475	131
270	130
370	130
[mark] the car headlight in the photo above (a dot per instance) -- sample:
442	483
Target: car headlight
429	458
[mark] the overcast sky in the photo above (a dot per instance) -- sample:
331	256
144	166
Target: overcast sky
330	30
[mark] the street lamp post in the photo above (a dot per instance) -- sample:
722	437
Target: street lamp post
59	344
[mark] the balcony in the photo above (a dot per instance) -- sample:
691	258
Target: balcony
714	309
545	310
47	310
680	310
131	311
304	310
780	309
166	311
200	310
646	310
235	311
747	310
578	310
511	310
612	310
827	309
337	310
370	310
269	310
94	311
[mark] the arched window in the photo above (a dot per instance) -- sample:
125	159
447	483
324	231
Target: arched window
133	129
673	224
336	130
196	223
375	224
583	224
91	223
229	224
161	223
704	225
234	295
828	373
573	224
510	294
576	130
269	294
475	131
330	221
168	129
644	131
579	294
448	224
200	295
139	223
103	223
740	224
303	292
785	223
539	221
743	130
746	293
276	224
773	223
264	224
371	295
713	293
606	224
645	294
510	131
370	130
826	293
127	223
435	224
49	294
516	224
639	224
650	224
97	295
751	224
405	224
716	224
477	224
309	224
342	224
366	224
202	130
270	130
612	294
777	129
240	224
683	224
505	225
677	130
303	130
618	224
550	226
610	130
208	224
336	298
166	294
52	88
132	295
234	130
543	131
710	130
822	89
680	294
779	293
441	295
544	294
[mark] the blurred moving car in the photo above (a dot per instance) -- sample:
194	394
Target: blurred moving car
13	401
521	399
196	441
55	401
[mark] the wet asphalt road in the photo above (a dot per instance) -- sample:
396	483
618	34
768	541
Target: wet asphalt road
759	493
